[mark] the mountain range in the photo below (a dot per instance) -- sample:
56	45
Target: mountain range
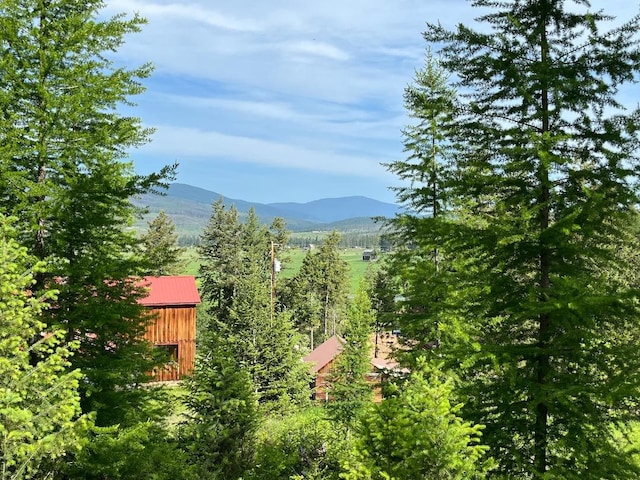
190	208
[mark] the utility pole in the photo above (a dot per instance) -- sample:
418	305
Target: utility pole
275	268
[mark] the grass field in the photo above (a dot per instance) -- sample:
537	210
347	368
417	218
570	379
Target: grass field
353	256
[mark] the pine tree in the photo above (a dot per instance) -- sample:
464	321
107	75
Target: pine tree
160	245
544	180
39	401
64	149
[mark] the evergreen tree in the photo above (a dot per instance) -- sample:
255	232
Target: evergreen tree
39	401
237	281
418	258
64	145
223	412
221	261
332	285
543	184
299	297
317	295
281	238
160	246
416	433
384	292
350	388
430	102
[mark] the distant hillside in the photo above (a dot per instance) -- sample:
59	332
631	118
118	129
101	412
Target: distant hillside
190	209
337	209
206	197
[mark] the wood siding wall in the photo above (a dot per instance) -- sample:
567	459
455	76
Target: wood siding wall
174	325
322	390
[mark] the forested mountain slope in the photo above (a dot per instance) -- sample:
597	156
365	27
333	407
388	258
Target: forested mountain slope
190	208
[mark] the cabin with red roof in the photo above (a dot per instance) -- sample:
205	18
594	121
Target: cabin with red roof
173	301
323	358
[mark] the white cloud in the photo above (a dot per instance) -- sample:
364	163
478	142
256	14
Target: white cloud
184	11
307	85
335	51
180	142
320	49
273	109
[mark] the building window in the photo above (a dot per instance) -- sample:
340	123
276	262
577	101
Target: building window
171	353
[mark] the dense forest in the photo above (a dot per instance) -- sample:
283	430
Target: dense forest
512	287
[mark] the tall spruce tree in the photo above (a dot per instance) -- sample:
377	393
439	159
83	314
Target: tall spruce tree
317	294
332	285
298	297
542	190
65	176
430	102
236	272
419	258
220	259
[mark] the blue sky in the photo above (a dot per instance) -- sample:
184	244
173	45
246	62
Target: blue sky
283	100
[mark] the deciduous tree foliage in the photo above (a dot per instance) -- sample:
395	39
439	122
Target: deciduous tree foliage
544	179
39	400
63	145
144	451
304	445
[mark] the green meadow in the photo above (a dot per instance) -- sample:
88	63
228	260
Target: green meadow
292	261
353	256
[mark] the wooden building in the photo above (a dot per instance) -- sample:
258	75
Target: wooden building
323	358
173	301
369	255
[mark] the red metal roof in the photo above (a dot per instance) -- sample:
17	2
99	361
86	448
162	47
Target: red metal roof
174	290
324	353
331	348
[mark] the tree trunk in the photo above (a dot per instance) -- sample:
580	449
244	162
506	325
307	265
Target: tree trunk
544	321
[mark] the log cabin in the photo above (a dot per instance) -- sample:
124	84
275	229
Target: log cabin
173	301
322	361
